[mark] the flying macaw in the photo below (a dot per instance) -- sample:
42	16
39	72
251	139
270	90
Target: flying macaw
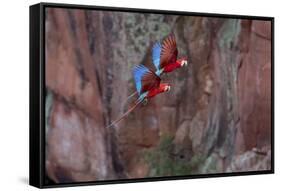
148	85
164	56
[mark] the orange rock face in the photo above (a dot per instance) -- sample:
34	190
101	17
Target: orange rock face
219	107
254	87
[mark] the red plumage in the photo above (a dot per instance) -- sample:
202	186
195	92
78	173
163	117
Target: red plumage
150	81
169	51
162	88
169	55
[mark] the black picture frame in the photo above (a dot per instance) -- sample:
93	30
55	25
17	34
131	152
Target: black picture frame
37	95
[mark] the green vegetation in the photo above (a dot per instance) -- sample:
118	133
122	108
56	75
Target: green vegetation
163	162
229	33
140	29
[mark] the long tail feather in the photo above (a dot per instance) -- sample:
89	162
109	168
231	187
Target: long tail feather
130	96
125	114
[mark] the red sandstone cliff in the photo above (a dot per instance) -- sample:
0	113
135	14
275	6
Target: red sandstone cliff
217	116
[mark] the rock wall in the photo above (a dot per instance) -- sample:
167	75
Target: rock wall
217	113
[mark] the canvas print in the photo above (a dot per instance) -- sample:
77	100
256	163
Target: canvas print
134	95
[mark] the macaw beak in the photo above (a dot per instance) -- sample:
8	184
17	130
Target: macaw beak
167	88
184	63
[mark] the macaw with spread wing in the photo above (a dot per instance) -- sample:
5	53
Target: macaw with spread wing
164	56
148	85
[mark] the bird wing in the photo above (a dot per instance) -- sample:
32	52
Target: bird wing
169	51
150	81
145	79
156	54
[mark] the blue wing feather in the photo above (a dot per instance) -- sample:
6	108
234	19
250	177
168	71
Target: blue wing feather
156	53
138	73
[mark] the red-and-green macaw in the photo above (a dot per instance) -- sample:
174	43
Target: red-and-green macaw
148	85
164	56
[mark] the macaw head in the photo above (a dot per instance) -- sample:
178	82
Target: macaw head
183	61
164	87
